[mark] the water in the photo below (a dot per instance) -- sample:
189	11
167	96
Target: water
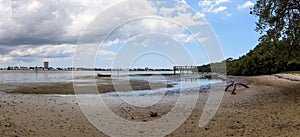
178	82
16	76
27	76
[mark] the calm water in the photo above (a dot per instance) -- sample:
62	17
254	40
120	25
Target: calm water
185	81
11	76
26	76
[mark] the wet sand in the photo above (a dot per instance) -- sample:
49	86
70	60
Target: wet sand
104	85
270	107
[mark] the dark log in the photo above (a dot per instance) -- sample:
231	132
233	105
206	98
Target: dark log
228	86
244	85
103	75
234	86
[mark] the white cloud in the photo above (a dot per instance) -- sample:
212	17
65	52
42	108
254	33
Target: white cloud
86	12
181	1
57	22
228	14
34	6
214	6
205	3
186	38
198	16
218	2
166	11
27	54
106	53
111	43
50	29
247	4
48	51
5	58
178	14
192	37
183	16
187	19
41	22
219	9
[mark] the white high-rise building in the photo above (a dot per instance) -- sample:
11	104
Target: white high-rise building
46	65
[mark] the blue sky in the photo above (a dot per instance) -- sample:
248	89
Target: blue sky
35	31
235	30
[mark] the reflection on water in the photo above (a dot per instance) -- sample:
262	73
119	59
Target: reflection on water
179	82
32	77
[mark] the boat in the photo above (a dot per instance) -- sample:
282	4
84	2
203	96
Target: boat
103	75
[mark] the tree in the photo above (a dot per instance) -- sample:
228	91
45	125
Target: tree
278	20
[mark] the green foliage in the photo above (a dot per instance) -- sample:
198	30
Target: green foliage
263	59
278	20
204	68
266	59
279	48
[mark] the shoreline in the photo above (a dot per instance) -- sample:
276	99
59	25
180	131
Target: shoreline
270	107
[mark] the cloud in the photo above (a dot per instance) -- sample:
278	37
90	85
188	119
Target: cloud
180	14
61	22
219	9
32	29
205	3
187	19
46	22
111	43
214	6
106	53
181	1
28	54
247	4
166	11
218	2
198	16
228	14
186	38
32	53
45	51
127	33
5	58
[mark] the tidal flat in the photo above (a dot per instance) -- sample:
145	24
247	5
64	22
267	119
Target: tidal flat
104	85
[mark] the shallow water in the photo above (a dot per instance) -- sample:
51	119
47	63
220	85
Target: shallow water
186	81
28	76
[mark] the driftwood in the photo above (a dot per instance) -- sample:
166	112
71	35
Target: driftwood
153	114
234	84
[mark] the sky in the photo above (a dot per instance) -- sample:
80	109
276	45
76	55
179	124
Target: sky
120	33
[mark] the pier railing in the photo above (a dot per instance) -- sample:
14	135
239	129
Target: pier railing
185	69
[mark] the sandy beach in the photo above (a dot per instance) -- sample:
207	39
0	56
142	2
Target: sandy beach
270	107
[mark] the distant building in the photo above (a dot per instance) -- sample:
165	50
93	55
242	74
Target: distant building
23	68
46	65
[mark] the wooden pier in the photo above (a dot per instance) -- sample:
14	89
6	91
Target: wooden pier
185	69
